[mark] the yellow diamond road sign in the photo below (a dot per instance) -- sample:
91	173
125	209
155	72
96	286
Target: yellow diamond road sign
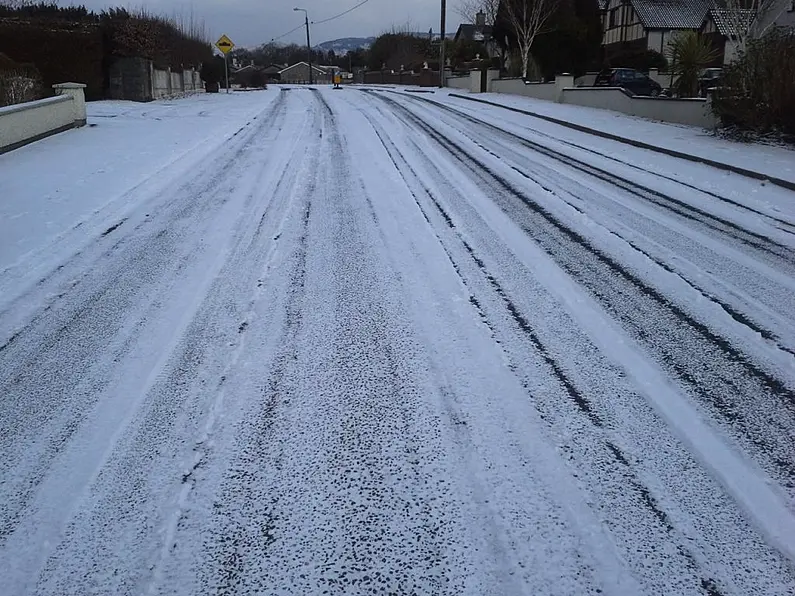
224	44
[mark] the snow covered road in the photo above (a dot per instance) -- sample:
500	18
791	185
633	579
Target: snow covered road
397	343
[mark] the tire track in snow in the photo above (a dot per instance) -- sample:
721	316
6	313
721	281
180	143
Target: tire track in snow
732	394
772	288
138	261
209	179
741	318
695	503
39	269
691	212
783	224
747	313
706	583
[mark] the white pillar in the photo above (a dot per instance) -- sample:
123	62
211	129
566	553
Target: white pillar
474	81
561	82
75	90
491	75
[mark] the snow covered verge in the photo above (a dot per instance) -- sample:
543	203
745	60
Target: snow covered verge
777	162
62	191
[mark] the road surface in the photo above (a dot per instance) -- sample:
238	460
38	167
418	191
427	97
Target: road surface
391	343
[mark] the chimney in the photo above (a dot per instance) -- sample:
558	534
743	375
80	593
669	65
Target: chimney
480	19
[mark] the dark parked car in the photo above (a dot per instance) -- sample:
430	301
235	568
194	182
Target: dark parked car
709	78
633	81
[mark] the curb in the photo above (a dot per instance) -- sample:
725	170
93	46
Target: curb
788	184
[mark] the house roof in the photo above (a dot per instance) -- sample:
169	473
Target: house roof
315	68
247	67
671	14
473	32
725	25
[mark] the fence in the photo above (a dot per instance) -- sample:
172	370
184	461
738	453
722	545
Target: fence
24	123
138	80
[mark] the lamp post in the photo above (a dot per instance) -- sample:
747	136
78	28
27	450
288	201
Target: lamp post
308	45
441	44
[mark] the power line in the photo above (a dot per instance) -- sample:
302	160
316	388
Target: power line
288	33
342	14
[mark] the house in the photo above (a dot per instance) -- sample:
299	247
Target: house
479	32
272	72
720	28
247	76
636	25
299	73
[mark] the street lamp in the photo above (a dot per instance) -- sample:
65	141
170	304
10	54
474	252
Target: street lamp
308	45
441	43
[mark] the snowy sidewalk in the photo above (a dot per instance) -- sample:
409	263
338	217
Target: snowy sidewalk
771	161
83	177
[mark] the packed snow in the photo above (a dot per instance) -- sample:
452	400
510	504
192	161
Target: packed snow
358	341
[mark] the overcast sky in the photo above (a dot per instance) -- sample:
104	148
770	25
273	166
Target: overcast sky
253	22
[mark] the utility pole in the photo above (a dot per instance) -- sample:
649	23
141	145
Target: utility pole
308	44
441	44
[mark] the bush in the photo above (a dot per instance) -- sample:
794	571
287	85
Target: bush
258	79
61	50
393	50
690	54
213	70
642	60
74	44
18	82
758	89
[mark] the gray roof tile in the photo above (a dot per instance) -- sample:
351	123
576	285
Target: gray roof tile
724	24
671	14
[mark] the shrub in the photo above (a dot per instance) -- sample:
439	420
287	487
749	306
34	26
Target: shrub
689	54
258	79
758	89
18	82
213	70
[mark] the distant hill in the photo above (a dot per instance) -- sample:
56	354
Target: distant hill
346	44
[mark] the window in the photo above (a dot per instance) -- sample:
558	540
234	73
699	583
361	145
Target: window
613	17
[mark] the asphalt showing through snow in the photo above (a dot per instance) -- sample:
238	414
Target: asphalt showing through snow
387	345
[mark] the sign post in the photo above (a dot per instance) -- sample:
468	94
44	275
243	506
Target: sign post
225	45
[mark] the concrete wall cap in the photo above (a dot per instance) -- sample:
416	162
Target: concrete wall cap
69	86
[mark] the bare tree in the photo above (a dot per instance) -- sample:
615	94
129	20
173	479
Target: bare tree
749	19
527	19
469	9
